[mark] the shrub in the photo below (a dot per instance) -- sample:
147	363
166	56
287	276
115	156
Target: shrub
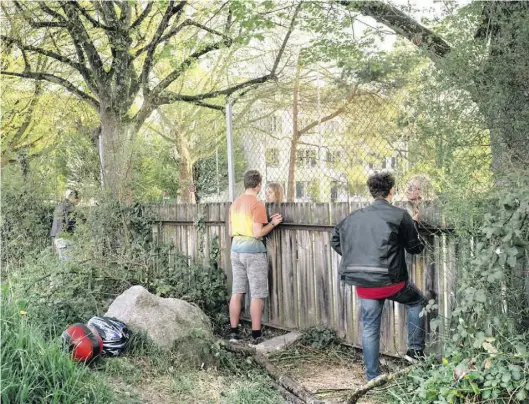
25	220
485	350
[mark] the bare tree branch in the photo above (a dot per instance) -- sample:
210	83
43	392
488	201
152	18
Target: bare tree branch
92	20
151	48
56	80
402	24
142	16
187	63
165	37
80	36
38	24
168	97
285	40
44	52
334	114
211	31
208	105
44	7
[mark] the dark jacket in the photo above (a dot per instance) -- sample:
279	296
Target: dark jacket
63	219
372	241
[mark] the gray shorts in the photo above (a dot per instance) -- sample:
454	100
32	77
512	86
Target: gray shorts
250	268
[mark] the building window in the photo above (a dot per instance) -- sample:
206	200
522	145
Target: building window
394	162
335	186
301	189
276	124
306	158
272	157
334	157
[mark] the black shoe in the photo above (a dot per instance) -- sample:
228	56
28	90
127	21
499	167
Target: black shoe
415	354
234	337
256	341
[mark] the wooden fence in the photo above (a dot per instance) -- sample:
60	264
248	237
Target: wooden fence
305	289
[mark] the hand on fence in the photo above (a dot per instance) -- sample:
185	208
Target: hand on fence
276	219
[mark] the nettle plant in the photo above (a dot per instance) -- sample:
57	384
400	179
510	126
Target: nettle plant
486	354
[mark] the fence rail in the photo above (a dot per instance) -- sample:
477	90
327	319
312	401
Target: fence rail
305	289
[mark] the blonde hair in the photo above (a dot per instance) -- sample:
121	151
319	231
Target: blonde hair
426	188
426	193
278	192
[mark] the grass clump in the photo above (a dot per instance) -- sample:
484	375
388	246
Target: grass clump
35	370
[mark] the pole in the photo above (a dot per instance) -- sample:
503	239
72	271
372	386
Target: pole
229	139
217	176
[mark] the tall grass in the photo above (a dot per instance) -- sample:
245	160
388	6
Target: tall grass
34	370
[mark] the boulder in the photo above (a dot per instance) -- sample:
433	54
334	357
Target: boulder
165	320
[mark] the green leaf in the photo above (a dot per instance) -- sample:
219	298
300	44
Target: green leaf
511	261
521	395
480	296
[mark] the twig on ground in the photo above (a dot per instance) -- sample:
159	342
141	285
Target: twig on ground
291	398
323	391
379	381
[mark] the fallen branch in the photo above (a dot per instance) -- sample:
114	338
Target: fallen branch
291	398
376	382
290	385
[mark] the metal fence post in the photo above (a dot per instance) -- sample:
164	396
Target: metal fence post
231	165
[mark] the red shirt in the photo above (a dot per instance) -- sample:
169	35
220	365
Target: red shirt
379	293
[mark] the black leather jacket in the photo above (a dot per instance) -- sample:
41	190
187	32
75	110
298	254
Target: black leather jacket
372	241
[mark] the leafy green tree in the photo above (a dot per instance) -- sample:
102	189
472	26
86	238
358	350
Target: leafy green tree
105	53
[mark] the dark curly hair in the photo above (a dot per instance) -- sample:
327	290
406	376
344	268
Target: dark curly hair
252	178
380	183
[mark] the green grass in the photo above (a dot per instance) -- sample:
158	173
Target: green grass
34	370
249	392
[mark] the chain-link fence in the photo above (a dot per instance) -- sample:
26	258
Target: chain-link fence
324	153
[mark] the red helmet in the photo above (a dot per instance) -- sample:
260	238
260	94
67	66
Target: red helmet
83	343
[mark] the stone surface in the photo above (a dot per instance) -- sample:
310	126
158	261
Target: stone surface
277	343
165	320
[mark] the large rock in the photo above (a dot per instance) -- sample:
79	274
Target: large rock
165	320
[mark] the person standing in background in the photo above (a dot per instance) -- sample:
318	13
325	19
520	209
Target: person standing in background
64	222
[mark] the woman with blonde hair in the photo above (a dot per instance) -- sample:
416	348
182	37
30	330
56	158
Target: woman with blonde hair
418	190
274	193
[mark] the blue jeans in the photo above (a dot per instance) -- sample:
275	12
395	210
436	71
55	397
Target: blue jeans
371	316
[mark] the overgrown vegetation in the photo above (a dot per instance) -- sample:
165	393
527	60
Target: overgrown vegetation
36	370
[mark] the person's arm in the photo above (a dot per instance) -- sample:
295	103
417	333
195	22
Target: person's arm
410	235
260	225
335	239
262	229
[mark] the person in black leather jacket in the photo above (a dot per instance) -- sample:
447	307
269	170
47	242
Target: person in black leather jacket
64	223
372	242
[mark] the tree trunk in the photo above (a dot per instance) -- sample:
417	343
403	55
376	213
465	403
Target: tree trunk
185	169
295	137
115	154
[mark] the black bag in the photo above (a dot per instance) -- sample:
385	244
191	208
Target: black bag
114	333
